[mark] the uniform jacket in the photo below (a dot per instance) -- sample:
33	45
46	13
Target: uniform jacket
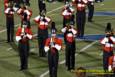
23	35
42	24
50	44
22	11
107	43
9	11
80	4
70	34
67	12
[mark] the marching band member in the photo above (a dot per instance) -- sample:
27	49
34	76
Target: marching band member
107	45
23	35
67	13
91	10
43	22
80	6
25	14
70	34
52	46
9	11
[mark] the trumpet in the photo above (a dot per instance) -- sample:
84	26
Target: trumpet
52	42
23	33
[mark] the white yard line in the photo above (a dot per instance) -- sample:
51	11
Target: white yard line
33	18
86	47
33	49
101	54
9	49
62	62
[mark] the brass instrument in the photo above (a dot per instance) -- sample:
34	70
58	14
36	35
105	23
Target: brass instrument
52	42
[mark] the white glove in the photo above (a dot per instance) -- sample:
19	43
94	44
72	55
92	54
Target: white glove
109	68
46	48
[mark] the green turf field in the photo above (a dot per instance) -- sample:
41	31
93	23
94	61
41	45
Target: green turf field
88	52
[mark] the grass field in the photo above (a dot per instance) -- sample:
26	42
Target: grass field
88	52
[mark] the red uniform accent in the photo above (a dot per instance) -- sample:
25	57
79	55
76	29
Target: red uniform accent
57	41
70	39
80	5
26	30
66	13
112	62
66	16
8	11
29	15
69	34
74	2
107	44
6	3
21	11
42	24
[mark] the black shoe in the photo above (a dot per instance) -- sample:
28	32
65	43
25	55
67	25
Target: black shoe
90	20
12	40
22	69
66	64
68	69
72	68
42	55
8	42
